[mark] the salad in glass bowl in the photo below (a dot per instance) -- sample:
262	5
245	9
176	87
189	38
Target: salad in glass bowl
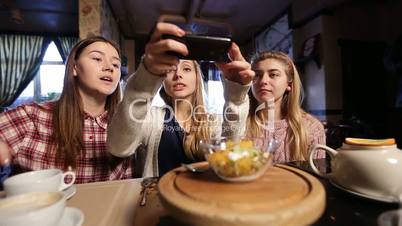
239	160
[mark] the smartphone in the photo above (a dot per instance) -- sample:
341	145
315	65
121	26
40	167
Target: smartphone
203	47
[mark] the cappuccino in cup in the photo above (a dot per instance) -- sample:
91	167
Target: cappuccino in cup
48	180
34	209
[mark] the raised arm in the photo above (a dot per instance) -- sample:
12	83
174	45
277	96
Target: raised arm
131	125
236	84
132	122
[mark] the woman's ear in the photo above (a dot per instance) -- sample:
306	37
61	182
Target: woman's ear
75	70
289	88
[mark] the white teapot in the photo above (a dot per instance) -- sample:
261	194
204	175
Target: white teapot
371	170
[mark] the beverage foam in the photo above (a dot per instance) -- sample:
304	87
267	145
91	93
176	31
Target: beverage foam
26	203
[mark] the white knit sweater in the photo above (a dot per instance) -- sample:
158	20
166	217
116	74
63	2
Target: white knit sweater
136	127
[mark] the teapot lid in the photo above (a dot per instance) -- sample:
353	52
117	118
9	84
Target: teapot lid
346	146
370	144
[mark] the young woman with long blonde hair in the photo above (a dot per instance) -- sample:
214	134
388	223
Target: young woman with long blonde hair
161	138
277	80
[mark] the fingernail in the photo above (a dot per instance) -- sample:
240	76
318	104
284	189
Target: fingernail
6	162
181	32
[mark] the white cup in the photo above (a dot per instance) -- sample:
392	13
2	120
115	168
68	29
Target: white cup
33	209
49	180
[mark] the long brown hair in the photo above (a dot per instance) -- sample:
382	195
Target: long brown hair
200	122
68	112
290	107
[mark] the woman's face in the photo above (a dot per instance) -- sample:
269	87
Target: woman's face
270	80
98	70
181	84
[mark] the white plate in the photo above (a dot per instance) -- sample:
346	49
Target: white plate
388	199
69	192
72	217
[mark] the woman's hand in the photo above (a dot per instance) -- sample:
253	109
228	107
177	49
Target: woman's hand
239	70
5	154
156	60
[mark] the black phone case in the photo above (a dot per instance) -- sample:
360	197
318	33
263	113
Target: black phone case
203	48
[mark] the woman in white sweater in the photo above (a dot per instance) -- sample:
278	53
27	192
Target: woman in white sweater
162	138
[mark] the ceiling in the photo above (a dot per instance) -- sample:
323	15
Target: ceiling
245	17
137	17
50	17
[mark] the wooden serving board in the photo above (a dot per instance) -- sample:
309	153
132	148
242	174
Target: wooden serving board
282	196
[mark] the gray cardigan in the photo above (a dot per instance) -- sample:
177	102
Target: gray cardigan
136	127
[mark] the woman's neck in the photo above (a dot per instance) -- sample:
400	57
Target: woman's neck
92	105
183	112
277	112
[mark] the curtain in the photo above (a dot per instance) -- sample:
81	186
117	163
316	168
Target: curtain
20	59
64	45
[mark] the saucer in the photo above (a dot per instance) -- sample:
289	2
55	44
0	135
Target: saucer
72	217
69	192
388	199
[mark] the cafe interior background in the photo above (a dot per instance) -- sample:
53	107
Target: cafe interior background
348	52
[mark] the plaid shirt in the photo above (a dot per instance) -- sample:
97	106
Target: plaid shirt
28	128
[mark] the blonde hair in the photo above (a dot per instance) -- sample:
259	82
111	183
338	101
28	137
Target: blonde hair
200	126
290	107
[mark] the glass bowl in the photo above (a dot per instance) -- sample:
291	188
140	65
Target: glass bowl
239	160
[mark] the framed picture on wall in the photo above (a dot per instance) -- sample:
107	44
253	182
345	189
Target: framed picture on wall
311	50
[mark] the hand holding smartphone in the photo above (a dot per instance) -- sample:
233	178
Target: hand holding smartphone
203	48
205	40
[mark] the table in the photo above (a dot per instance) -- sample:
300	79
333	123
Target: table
109	203
116	203
344	208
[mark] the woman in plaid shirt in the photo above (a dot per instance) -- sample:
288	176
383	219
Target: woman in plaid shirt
70	133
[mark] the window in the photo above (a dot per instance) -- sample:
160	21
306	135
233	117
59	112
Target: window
48	83
277	37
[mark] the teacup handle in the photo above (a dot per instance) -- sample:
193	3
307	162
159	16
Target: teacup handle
313	151
65	185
